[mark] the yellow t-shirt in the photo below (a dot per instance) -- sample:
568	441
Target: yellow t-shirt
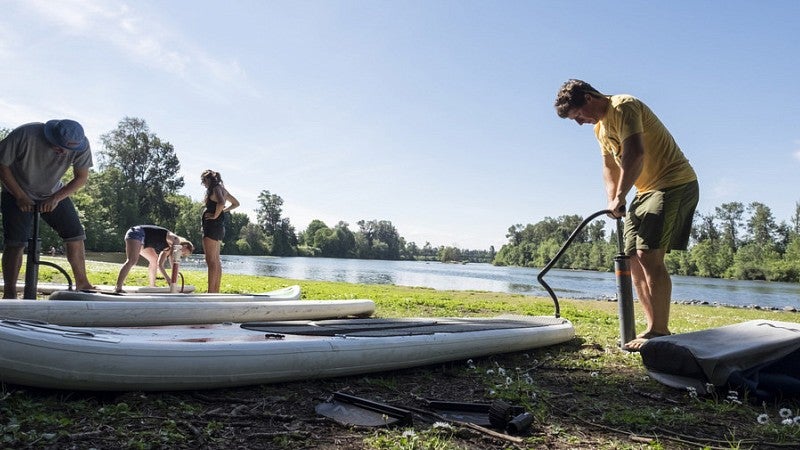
664	165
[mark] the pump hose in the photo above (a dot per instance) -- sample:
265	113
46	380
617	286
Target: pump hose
560	252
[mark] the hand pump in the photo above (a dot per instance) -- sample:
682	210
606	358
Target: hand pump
176	252
622	268
32	263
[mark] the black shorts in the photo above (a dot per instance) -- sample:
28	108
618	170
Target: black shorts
214	228
18	225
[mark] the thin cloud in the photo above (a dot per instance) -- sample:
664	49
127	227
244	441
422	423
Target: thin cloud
796	153
725	188
70	15
13	115
145	40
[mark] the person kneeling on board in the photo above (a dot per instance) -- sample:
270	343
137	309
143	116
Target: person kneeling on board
157	245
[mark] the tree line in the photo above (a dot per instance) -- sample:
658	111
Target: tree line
734	241
136	180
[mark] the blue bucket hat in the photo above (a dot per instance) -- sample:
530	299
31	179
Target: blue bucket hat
66	134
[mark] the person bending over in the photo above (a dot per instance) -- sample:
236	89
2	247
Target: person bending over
33	158
157	245
638	151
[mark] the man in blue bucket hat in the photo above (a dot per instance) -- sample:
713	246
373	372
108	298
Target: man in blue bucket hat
33	158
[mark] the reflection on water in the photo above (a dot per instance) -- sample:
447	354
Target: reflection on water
485	277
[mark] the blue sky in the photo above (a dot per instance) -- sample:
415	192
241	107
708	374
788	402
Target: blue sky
435	115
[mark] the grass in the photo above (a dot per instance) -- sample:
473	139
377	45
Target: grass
584	394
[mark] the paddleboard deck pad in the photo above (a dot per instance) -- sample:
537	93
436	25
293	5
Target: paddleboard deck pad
392	327
225	355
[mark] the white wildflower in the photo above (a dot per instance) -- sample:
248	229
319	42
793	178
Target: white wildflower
490	372
785	412
787	422
501	371
509	381
762	419
442	425
594	374
797	420
409	434
692	391
710	387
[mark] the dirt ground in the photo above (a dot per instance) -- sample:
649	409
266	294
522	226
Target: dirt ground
569	413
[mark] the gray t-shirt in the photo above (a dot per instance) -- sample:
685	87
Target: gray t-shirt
35	165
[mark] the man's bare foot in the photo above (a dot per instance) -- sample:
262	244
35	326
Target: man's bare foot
636	344
651	334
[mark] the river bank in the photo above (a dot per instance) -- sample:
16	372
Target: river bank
582	285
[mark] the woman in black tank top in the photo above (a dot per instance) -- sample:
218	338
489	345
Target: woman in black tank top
213	220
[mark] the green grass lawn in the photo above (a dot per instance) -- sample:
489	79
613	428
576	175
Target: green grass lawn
586	393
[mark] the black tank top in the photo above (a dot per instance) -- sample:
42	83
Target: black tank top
155	237
211	207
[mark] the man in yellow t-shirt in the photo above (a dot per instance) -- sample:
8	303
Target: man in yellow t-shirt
638	151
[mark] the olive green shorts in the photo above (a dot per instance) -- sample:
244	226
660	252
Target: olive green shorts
661	219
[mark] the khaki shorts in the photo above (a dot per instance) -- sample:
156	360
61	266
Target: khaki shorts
661	219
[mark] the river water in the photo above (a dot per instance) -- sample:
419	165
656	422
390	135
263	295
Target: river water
485	277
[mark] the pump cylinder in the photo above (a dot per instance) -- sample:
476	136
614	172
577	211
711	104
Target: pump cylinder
627	324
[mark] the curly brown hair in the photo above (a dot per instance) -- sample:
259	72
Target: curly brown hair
573	95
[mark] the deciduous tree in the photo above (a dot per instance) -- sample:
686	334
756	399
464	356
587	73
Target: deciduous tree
138	174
